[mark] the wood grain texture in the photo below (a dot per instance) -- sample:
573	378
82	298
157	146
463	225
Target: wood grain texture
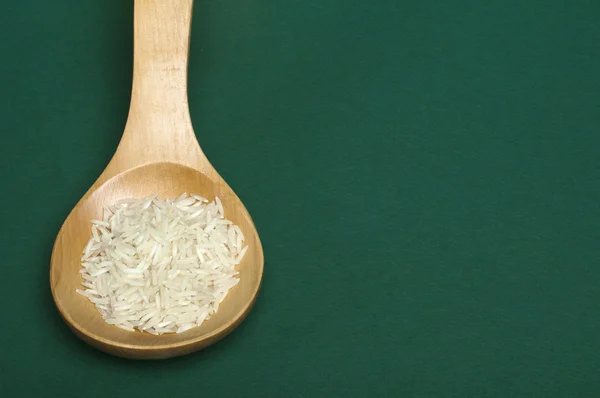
158	153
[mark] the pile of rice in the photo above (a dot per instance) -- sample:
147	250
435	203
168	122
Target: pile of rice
161	266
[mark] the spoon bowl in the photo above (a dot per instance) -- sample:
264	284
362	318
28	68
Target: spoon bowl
157	154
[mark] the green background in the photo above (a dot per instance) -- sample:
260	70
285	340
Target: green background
424	176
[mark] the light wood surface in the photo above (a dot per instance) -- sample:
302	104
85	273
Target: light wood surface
158	153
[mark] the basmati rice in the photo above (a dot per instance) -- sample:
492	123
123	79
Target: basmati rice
161	266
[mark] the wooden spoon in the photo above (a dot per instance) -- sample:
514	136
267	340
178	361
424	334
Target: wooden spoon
158	153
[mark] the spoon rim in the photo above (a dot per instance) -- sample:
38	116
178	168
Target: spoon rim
219	332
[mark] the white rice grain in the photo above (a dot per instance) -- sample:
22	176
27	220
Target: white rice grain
161	266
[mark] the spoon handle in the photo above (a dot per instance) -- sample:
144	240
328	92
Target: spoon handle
159	120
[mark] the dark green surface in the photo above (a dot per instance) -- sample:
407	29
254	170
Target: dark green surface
424	175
